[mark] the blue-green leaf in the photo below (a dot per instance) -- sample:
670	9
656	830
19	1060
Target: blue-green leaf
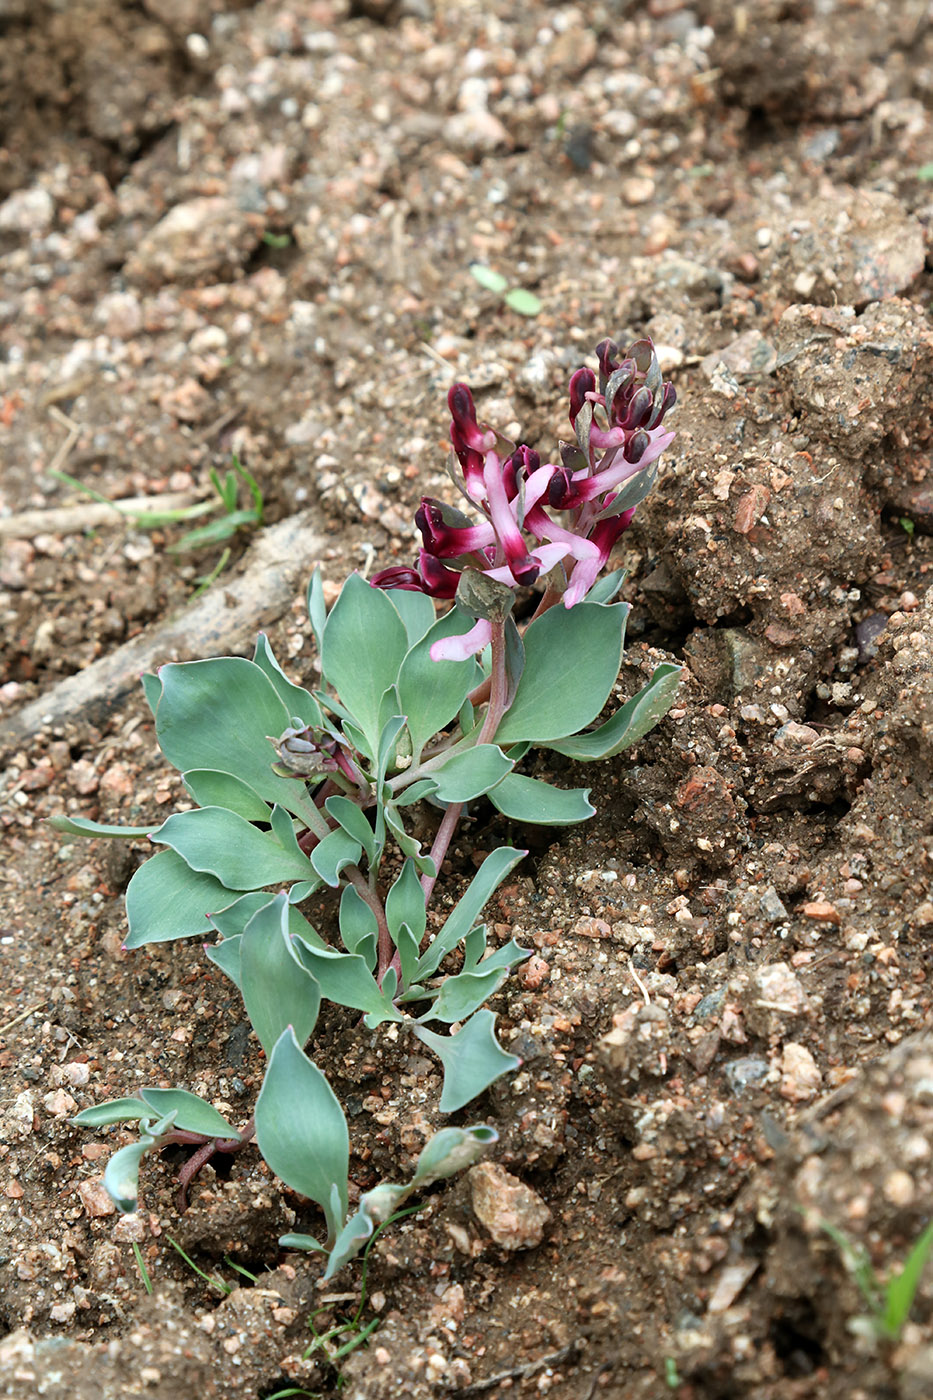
415	609
333	854
234	917
301	1130
113	1111
305	1242
317	608
218	714
121	1175
359	930
212	789
405	903
226	956
152	689
421	788
470	773
83	826
364	645
605	589
451	1150
166	899
631	722
278	991
191	1113
242	857
350	1241
572	658
462	994
432	692
407	844
353	820
299	703
345	979
531	800
466	912
472	1059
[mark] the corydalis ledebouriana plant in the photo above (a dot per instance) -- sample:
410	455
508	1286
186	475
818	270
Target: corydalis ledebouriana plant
299	792
620	434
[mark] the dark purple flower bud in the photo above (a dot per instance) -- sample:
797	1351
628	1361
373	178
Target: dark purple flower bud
582	382
640	408
606	352
517	468
561	491
399	577
465	430
439	581
301	755
636	446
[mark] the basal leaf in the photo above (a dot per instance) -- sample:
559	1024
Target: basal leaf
83	826
524	302
277	989
364	645
317	608
191	1113
358	1229
226	956
301	1130
572	658
531	800
152	689
242	857
166	899
218	714
113	1111
631	722
472	1059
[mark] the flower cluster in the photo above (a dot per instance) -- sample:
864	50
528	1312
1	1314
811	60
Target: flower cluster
618	424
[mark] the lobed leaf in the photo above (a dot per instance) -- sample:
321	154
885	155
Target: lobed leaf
166	899
221	843
212	789
299	703
464	915
472	1059
470	773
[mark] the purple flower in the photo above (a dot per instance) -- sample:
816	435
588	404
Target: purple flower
618	422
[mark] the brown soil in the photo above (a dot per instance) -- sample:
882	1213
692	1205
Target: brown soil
234	228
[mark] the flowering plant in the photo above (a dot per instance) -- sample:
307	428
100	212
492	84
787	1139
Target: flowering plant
413	708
